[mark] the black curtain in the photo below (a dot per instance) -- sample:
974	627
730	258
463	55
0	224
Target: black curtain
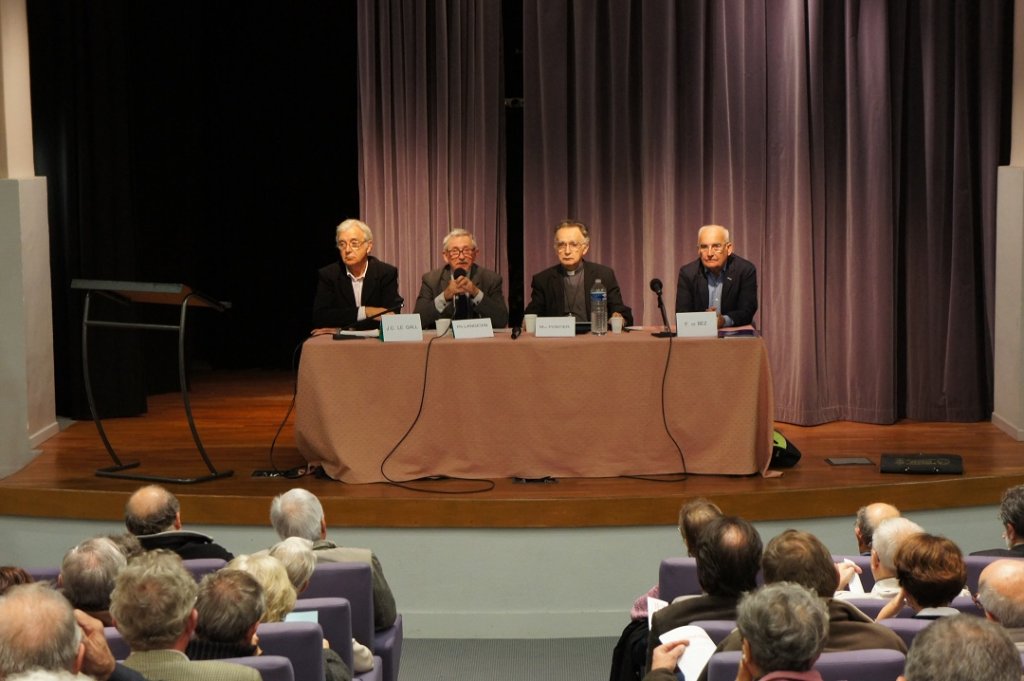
208	143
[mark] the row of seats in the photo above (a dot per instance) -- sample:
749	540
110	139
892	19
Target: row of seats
906	627
341	594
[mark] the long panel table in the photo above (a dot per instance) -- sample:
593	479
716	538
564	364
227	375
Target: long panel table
589	406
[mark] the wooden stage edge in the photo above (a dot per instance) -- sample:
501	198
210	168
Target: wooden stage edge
238	413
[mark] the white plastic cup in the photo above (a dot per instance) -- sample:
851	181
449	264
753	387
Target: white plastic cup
442	325
616	324
530	321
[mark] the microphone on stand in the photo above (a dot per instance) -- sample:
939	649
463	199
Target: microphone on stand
463	310
341	335
666	332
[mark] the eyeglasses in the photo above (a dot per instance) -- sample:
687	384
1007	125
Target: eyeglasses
352	245
714	248
465	250
572	246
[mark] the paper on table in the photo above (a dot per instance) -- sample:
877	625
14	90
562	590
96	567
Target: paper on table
653	606
855	586
698	651
363	333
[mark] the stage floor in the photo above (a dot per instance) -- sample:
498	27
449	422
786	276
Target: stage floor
238	413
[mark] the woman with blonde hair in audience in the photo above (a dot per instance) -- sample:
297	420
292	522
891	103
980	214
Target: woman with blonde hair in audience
931	572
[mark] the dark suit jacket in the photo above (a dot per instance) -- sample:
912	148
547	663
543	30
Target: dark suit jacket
547	297
681	613
492	305
739	290
335	302
1015	552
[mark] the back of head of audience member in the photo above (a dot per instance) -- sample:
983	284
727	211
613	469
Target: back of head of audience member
796	556
962	648
230	604
888	538
153	601
694	515
298	513
1001	592
868	519
728	557
784	628
278	593
128	544
38	630
1011	513
87	573
930	569
13	576
150	510
296	554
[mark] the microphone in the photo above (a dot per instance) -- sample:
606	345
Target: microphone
461	301
666	332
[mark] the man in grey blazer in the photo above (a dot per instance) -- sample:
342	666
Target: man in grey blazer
461	289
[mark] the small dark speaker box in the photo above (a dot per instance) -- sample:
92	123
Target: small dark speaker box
935	464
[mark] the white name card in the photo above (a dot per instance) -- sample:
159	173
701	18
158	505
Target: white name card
473	328
401	327
556	327
697	324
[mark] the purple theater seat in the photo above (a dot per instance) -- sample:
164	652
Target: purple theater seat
301	642
48	574
975	564
118	646
270	667
717	629
854	665
678	577
872	606
906	627
200	567
967	606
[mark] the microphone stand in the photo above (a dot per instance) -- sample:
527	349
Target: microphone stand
667	331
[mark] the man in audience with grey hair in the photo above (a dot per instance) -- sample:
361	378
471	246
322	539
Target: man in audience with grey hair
40	630
153	606
87	576
887	539
298	513
1011	515
298	558
1001	596
962	648
230	606
868	518
154	516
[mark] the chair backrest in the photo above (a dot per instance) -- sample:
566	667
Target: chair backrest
678	577
867	578
966	605
351	581
853	665
717	629
118	646
335	618
872	606
47	574
270	667
906	627
300	642
200	567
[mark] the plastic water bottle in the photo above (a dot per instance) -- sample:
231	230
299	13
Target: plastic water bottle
598	309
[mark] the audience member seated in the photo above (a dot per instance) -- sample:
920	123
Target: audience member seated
279	598
154	516
153	606
298	513
1011	515
868	519
12	576
128	544
800	557
87	576
40	630
296	554
230	606
962	648
1001	596
887	539
931	572
728	557
631	649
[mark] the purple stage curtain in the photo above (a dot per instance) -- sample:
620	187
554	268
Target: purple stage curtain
432	145
851	146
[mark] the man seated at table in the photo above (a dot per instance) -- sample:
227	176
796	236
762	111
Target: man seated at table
718	280
352	291
560	290
461	289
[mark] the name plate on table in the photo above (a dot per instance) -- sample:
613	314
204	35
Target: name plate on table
473	328
556	327
401	327
697	325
